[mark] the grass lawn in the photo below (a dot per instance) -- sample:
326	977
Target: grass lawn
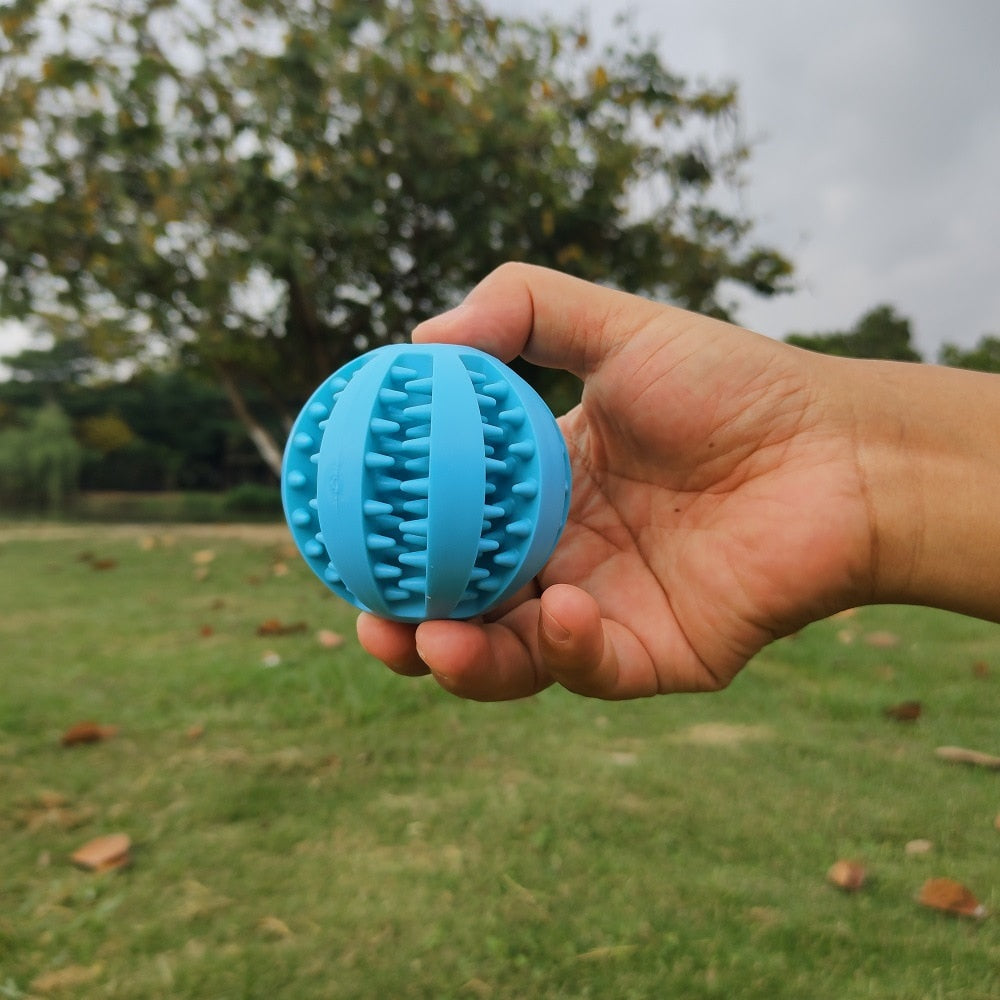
307	825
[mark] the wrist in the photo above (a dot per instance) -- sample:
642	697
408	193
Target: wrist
927	441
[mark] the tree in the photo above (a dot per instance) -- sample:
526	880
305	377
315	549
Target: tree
268	188
879	333
39	463
983	357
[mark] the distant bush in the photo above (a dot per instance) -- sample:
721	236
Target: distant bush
253	498
249	502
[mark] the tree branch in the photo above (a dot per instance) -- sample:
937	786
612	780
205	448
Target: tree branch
262	439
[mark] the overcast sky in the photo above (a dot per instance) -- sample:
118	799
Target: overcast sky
876	162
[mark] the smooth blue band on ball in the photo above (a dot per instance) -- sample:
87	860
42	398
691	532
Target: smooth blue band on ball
425	481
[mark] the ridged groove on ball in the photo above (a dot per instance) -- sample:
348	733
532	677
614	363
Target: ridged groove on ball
299	478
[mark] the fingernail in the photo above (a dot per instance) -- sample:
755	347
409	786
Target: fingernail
554	630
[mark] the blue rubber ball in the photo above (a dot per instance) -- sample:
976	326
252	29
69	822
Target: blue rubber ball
425	481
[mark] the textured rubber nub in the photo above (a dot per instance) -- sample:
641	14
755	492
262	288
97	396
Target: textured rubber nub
425	481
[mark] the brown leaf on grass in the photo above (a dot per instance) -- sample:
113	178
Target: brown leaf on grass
53	809
847	875
49	799
981	669
203	557
274	927
65	978
103	564
905	711
996	823
105	853
206	631
273	626
478	987
959	755
606	952
87	732
917	847
329	639
882	640
949	896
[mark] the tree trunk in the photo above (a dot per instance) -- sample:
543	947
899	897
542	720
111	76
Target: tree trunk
263	440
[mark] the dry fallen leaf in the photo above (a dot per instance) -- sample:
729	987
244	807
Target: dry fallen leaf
53	809
105	853
206	631
280	569
87	732
882	640
65	978
949	896
203	557
273	626
980	669
959	755
274	927
905	711
102	564
996	822
919	846
609	951
49	799
329	639
847	875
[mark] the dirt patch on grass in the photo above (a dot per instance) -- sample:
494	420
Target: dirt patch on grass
722	734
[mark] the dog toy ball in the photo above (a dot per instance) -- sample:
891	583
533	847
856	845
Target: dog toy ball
425	481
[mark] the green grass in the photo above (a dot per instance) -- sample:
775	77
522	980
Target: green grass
324	829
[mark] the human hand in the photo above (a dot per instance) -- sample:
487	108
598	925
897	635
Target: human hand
717	501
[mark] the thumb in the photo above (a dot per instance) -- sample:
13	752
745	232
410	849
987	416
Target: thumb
588	654
550	318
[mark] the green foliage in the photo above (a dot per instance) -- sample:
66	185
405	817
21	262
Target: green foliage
268	188
254	499
155	430
39	462
984	357
879	333
105	433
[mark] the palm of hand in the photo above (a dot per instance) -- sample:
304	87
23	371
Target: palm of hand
709	516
